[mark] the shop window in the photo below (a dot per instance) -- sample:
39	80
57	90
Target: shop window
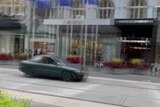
137	9
106	9
44	46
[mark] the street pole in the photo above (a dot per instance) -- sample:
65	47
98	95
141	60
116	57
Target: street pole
50	29
71	36
33	28
45	26
85	46
91	50
95	51
67	40
57	31
81	41
29	25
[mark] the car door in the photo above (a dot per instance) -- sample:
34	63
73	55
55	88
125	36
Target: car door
37	65
50	67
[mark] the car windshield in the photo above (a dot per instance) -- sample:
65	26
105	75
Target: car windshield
60	60
37	59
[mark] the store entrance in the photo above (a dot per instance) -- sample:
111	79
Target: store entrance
19	43
137	41
93	43
91	47
80	41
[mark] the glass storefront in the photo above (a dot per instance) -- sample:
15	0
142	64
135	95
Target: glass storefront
44	46
91	47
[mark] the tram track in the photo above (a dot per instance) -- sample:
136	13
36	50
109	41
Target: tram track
53	86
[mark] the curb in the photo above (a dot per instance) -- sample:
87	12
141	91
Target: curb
54	101
9	63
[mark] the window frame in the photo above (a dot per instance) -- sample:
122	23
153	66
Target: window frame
106	9
137	9
78	8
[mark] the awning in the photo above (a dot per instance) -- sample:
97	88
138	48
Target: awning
102	29
9	23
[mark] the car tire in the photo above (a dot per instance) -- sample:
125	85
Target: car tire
29	72
79	79
67	76
26	74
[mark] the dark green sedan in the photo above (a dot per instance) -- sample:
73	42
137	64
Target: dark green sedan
53	67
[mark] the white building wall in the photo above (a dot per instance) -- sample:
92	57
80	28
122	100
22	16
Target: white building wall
12	42
5	44
151	4
66	13
91	12
120	8
26	42
121	11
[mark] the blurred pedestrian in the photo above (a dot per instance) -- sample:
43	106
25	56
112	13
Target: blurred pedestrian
35	52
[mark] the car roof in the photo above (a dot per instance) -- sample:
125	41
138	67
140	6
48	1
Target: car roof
44	55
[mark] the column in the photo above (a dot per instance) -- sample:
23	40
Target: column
1	43
8	36
66	12
120	8
156	44
26	43
150	8
12	42
65	43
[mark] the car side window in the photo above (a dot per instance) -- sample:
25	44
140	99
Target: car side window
48	60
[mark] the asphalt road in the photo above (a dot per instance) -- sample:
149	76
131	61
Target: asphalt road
97	90
123	74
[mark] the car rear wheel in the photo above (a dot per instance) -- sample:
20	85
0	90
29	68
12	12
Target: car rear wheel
67	76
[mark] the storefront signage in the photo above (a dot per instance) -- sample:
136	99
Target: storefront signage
132	21
135	41
75	22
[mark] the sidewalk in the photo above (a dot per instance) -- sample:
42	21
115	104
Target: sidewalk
9	62
51	101
125	74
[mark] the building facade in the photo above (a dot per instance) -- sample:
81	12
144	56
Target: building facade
12	13
116	28
93	25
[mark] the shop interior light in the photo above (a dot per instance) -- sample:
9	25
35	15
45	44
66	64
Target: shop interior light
141	48
133	41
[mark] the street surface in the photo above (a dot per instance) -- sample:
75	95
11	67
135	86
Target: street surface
95	92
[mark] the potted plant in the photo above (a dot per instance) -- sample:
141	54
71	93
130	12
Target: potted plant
5	57
74	59
22	56
116	63
138	63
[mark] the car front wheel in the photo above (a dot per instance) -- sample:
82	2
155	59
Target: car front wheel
30	73
67	76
